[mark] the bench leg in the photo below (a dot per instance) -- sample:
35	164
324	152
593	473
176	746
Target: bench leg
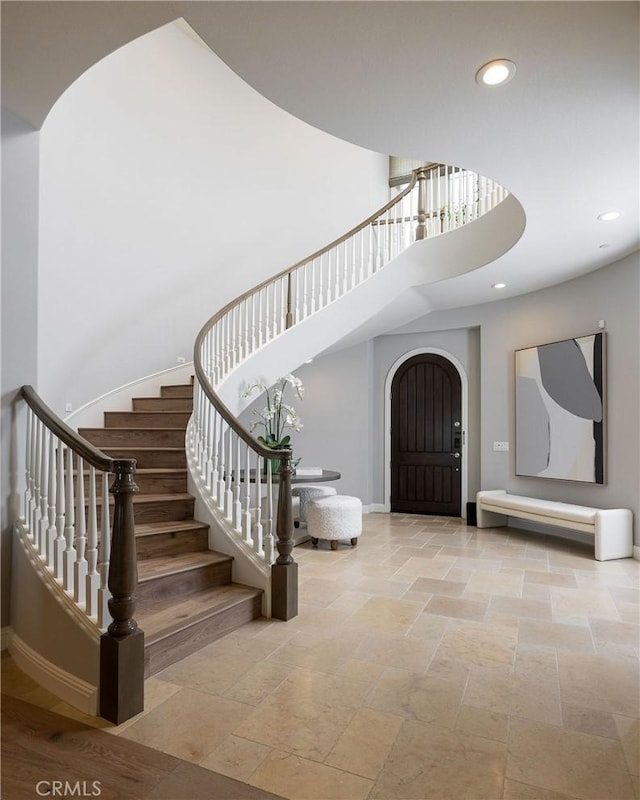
489	519
613	534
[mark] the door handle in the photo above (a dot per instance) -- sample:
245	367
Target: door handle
456	455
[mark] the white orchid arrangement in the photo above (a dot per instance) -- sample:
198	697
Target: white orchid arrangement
277	415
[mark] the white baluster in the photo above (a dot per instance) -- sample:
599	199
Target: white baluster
220	490
246	514
35	509
104	555
228	493
307	272
257	529
237	505
216	421
69	558
210	422
80	567
51	511
92	580
272	331
321	285
27	467
283	305
44	482
226	339
345	267
252	324
233	314
261	295
58	550
197	441
314	289
269	542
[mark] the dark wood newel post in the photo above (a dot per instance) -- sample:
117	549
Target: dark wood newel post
122	646
421	230
284	573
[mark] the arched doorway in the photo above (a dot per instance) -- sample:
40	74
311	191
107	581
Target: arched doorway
426	435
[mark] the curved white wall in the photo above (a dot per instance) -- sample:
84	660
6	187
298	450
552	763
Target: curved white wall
168	186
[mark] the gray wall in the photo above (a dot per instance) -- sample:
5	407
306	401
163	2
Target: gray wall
483	339
20	157
336	412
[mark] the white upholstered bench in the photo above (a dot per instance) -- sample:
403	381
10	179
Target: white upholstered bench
612	528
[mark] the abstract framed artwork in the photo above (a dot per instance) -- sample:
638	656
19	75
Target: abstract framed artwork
560	410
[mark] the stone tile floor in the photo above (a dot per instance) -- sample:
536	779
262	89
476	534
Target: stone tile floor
432	661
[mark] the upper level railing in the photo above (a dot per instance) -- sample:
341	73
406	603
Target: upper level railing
66	525
235	468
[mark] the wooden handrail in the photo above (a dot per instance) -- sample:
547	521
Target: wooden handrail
224	412
222	409
66	434
361	226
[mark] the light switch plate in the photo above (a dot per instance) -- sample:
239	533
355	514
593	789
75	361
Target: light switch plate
501	446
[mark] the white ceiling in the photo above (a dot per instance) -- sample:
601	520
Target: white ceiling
398	78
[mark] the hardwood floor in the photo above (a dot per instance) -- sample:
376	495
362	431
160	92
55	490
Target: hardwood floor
40	747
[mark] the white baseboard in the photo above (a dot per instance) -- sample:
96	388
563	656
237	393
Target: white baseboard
636	552
5	636
374	508
67	687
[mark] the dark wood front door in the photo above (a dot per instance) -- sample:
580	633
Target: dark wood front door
426	437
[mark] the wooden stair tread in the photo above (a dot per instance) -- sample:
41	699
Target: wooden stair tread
90	431
139	499
158	498
164	618
170	526
152	568
160	471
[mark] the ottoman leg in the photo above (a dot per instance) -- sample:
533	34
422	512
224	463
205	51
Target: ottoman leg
334	544
354	541
314	541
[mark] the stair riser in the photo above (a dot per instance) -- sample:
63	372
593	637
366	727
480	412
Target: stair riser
156	511
146	419
155	484
152	458
162	404
167	544
163	510
151	437
176	391
179	645
147	484
182	583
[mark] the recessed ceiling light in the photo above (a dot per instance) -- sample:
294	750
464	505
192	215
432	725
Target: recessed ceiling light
498	285
496	73
608	216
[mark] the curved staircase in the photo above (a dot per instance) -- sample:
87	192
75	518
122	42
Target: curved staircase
185	596
153	566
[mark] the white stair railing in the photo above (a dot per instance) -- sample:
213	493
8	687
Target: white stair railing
236	470
89	566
